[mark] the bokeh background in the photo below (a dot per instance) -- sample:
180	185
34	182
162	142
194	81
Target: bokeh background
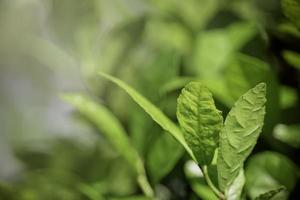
48	150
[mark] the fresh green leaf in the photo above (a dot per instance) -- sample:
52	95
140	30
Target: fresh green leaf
200	121
239	134
157	115
268	170
270	194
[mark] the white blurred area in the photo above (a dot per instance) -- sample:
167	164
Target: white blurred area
37	63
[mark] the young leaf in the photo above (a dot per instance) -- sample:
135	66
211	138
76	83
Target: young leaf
270	194
239	134
113	130
200	121
156	114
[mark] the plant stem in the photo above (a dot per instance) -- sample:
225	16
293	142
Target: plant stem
145	186
143	181
211	185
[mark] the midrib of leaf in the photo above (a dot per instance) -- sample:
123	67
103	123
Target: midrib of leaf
156	114
239	134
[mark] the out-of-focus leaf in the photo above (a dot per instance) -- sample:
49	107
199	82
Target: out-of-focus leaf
200	121
291	9
93	192
172	35
235	190
288	97
175	84
113	130
194	13
292	58
270	194
209	44
289	134
220	42
268	170
164	152
130	198
157	115
196	179
107	123
239	134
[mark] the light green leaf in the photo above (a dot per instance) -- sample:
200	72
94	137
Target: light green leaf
270	194
200	121
234	191
289	134
268	170
113	130
239	134
156	114
165	151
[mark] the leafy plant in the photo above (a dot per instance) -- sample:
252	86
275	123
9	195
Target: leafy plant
220	149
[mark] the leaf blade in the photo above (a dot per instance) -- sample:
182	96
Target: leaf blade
239	134
200	121
156	114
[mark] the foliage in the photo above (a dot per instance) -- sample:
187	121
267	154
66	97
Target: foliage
194	99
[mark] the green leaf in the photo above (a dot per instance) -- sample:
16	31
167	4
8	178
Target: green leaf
270	194
172	152
235	190
291	9
112	129
156	114
289	134
268	170
245	71
239	134
200	121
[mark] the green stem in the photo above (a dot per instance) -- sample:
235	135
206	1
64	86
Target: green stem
145	186
211	185
143	182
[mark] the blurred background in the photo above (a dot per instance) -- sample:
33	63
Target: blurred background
48	150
